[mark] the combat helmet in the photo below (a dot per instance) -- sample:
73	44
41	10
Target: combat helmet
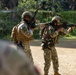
27	14
56	19
13	61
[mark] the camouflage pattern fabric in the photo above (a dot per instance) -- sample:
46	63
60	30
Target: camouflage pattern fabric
23	37
23	27
50	38
27	34
50	55
27	50
14	61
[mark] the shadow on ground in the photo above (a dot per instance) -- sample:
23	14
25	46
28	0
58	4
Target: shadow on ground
65	43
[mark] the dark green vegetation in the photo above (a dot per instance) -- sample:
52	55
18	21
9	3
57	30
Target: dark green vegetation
8	20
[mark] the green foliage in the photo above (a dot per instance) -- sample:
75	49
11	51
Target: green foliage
7	22
69	16
44	16
36	34
73	32
27	4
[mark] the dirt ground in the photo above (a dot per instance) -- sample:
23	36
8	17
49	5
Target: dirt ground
66	52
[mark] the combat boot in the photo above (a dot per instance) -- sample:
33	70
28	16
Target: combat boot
56	73
45	74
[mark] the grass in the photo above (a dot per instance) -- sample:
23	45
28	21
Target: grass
71	37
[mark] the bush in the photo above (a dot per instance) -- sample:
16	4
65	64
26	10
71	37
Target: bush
69	16
7	22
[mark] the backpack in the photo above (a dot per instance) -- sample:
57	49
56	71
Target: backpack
14	33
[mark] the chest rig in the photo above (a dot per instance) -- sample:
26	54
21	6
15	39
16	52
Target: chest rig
47	40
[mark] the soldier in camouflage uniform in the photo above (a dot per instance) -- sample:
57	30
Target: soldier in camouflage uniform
15	62
24	33
50	34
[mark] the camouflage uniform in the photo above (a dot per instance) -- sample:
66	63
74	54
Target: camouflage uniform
15	62
24	35
50	34
48	46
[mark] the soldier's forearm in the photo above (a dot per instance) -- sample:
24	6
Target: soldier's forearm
40	25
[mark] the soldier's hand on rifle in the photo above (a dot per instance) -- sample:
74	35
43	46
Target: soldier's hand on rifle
72	28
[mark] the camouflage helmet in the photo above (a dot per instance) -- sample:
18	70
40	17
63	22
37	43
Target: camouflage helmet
27	14
56	19
13	61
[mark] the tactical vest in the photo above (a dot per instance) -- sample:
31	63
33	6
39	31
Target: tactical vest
23	38
18	36
46	36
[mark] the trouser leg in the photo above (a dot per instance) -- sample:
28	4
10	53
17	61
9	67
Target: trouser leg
54	58
47	60
27	50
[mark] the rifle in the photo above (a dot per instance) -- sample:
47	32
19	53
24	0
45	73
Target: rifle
32	22
66	25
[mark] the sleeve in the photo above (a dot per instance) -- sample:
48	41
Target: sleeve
26	32
39	26
55	34
65	32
